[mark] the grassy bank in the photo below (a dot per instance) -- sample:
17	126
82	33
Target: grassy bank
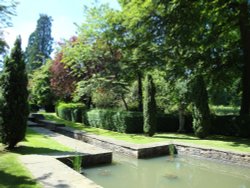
219	142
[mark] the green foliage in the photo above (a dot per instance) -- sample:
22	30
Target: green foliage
224	110
14	90
71	111
40	90
77	163
39	44
201	113
7	10
149	107
103	93
119	121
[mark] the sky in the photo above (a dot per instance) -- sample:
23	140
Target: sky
63	12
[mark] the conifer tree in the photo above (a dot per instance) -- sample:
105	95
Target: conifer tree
14	90
149	107
201	112
40	44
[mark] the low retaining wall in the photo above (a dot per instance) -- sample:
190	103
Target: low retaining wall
211	153
129	149
156	149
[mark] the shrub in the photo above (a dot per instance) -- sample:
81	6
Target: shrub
120	121
71	111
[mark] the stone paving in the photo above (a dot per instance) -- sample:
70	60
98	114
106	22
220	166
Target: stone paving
92	155
51	173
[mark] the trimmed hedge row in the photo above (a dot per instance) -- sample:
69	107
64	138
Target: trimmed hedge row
170	123
71	111
231	125
132	122
120	121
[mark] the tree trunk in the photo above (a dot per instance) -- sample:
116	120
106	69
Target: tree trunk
245	38
140	102
181	118
124	102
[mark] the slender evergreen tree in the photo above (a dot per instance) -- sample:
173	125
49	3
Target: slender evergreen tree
40	44
149	107
14	90
201	112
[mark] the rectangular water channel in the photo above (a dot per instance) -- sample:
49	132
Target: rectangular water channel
170	172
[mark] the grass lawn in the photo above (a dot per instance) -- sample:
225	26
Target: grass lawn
12	172
219	142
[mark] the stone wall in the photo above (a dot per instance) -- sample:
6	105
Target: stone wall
156	149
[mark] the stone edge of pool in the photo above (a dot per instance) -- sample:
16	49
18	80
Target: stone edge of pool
156	149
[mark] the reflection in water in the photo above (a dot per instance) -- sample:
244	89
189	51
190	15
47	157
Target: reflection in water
162	172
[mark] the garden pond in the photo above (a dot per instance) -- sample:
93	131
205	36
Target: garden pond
170	172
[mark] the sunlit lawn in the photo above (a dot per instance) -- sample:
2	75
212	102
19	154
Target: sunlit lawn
219	142
12	172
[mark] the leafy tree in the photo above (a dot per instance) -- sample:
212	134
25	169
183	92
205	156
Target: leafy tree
40	91
14	90
149	107
62	81
7	9
201	112
40	43
95	55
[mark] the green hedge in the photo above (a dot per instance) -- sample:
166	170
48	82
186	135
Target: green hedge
132	122
71	111
120	121
231	125
170	123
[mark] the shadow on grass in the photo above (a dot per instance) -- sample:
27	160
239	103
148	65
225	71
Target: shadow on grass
24	150
9	181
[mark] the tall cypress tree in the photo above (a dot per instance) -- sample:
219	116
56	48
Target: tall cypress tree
40	44
15	95
201	112
149	107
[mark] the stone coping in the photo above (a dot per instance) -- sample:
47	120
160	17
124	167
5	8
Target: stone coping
158	148
51	173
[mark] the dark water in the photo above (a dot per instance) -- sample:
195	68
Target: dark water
168	172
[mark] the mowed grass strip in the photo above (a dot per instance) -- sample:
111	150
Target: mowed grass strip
215	141
36	143
12	172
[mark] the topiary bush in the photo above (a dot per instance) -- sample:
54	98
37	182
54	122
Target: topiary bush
119	121
71	111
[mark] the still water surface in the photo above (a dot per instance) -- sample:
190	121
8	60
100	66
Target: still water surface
169	172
